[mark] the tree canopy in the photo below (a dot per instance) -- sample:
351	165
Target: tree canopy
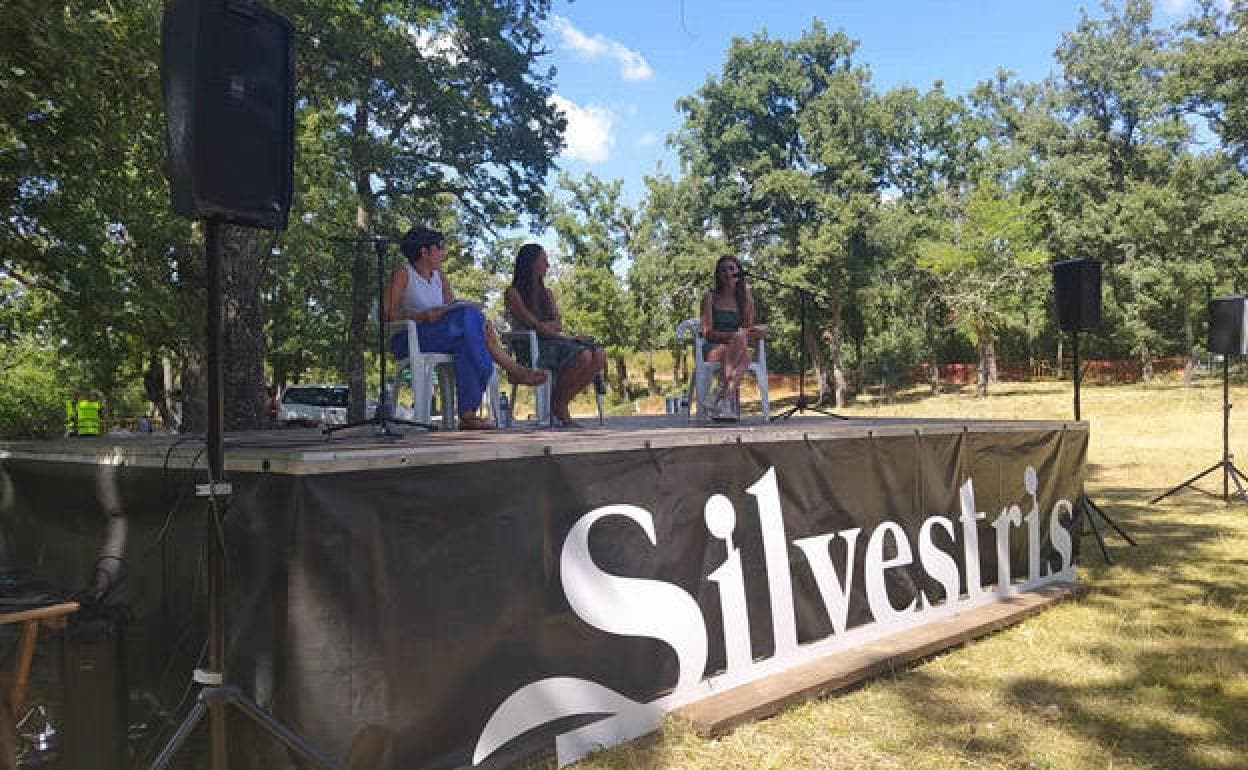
920	222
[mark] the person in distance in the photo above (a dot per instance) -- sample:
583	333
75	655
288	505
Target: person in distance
530	305
418	291
728	328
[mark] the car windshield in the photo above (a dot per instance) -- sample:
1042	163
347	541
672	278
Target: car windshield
316	396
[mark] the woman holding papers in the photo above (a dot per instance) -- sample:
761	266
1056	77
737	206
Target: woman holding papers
728	328
418	291
530	305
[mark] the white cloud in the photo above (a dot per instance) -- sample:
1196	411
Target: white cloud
633	66
648	139
436	44
1185	7
589	130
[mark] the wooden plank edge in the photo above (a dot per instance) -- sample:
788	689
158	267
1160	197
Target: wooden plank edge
719	714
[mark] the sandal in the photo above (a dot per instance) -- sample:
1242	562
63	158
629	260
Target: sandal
473	422
527	376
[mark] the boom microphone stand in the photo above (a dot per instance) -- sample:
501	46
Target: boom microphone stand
1227	464
380	416
802	404
1087	511
215	695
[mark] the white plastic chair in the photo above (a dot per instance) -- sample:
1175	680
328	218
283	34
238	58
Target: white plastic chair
699	390
541	393
423	366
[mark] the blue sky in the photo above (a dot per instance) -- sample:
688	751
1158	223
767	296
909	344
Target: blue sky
622	64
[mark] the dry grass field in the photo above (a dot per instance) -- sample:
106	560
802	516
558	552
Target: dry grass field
1149	670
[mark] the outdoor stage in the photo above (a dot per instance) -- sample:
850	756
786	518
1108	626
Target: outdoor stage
476	597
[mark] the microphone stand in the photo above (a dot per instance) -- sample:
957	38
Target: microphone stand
380	417
802	404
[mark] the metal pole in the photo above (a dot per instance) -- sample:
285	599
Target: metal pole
1226	427
216	475
1076	376
380	247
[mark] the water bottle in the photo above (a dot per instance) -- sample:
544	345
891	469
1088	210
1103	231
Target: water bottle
504	411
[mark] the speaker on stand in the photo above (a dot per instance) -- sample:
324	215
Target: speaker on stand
1228	336
1077	295
228	81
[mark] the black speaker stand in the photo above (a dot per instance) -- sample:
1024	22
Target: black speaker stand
1227	463
1086	511
381	419
214	694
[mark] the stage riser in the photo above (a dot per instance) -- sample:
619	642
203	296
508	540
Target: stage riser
596	584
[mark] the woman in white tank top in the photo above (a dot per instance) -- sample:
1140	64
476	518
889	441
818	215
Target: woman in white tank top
419	292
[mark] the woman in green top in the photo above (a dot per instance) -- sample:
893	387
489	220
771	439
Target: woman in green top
728	327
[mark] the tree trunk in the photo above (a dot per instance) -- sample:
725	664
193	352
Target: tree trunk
194	387
621	376
987	362
836	364
1146	364
816	361
243	362
192	417
156	390
933	363
652	385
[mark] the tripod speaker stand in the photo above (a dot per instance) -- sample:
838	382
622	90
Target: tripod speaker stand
1086	511
1226	464
1077	290
1228	335
802	404
214	695
381	417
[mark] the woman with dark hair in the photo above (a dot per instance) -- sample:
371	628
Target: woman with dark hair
728	327
419	292
530	305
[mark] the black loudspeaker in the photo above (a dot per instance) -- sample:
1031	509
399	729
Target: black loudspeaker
93	675
1228	326
228	79
1077	285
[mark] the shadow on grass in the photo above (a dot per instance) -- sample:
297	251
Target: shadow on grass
1165	688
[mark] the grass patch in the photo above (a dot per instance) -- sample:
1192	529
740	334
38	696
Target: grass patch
1149	670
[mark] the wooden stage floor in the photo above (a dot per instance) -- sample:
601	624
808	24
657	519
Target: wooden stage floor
302	451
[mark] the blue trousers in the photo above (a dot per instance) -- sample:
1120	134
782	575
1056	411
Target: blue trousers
461	332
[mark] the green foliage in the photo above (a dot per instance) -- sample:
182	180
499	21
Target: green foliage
34	380
593	227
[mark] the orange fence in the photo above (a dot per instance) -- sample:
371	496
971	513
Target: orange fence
1101	371
1095	371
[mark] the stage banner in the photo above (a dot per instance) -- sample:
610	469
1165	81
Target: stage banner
478	613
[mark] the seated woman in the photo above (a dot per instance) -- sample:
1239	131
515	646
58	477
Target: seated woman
419	292
728	327
530	305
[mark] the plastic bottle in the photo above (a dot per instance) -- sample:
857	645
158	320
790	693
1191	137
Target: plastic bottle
504	411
